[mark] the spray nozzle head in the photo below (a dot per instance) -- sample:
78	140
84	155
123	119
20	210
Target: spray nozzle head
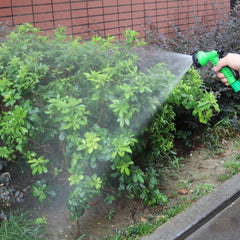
201	58
195	60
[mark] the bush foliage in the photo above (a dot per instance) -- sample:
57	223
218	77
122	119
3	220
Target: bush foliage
72	107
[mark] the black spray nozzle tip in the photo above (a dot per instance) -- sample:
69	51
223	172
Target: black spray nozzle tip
195	60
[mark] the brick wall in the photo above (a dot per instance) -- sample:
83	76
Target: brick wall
86	17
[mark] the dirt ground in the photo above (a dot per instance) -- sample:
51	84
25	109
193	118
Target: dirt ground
200	168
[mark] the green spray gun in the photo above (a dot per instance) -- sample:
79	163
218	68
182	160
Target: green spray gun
202	58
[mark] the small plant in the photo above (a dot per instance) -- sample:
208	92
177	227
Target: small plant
38	165
233	165
42	191
175	163
110	215
203	189
139	229
223	130
40	221
20	226
109	199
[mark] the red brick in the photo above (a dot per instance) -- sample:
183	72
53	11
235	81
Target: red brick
79	13
42	9
96	19
5	3
21	2
111	32
6	20
138	21
183	21
45	25
43	17
138	7
22	10
183	10
163	30
94	4
162	5
171	4
109	25
138	1
61	7
64	23
163	24
125	16
125	23
153	19
150	6
111	3
112	17
23	19
78	5
96	27
172	11
60	1
136	15
69	30
123	9
62	15
139	28
151	12
184	3
125	2
95	11
41	2
77	29
5	12
111	10
80	21
162	12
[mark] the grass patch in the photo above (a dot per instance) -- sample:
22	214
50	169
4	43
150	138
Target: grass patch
139	229
21	226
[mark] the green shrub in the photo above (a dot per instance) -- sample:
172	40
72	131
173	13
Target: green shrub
88	102
189	104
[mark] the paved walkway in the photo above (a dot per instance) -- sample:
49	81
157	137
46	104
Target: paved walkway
214	217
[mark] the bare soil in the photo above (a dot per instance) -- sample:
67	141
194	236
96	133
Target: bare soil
200	166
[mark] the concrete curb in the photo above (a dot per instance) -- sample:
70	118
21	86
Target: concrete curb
184	224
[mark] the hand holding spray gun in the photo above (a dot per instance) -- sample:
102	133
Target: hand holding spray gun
232	60
227	68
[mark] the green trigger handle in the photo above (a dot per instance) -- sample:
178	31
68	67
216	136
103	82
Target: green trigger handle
202	58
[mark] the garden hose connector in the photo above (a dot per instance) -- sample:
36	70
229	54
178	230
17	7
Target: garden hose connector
202	58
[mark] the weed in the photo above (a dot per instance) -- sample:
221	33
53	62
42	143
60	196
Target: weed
140	229
223	177
42	191
174	162
233	165
20	226
81	237
203	189
110	215
184	183
41	221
